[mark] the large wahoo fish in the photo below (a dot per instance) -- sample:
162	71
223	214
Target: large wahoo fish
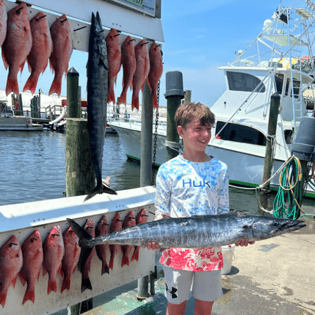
194	232
97	89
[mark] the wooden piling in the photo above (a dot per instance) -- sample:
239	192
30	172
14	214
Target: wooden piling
80	175
272	128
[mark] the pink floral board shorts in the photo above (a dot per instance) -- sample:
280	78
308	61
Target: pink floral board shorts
205	285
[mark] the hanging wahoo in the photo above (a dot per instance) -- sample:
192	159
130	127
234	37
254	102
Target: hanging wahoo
142	71
61	53
97	89
156	70
128	61
17	45
41	50
114	62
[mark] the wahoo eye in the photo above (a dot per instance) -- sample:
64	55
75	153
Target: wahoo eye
276	223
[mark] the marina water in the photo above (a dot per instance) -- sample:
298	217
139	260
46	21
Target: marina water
33	168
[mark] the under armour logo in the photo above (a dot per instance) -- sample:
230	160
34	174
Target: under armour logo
174	296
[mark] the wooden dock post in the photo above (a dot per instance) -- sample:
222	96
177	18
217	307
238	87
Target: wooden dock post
272	128
80	175
145	164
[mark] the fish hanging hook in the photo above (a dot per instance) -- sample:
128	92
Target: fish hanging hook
18	10
144	44
63	20
80	28
40	17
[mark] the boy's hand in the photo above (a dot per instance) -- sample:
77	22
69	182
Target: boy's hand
151	245
244	242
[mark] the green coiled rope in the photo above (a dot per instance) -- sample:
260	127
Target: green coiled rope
290	195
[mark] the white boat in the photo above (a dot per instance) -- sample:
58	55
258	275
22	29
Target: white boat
279	60
18	123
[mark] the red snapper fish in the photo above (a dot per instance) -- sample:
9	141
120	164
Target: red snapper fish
41	50
142	71
11	261
85	269
32	250
128	61
156	70
101	230
129	221
141	218
53	254
61	53
3	22
114	226
17	45
114	62
70	258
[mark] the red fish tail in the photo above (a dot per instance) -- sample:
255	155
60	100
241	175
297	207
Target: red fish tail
105	268
86	284
135	255
135	102
12	86
65	283
29	296
3	298
155	102
111	263
111	95
122	98
23	281
52	286
125	261
55	87
30	84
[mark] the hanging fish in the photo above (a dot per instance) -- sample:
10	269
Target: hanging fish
114	62
85	267
101	230
70	258
17	45
129	221
97	87
3	22
41	50
128	61
33	255
11	261
142	71
61	53
156	70
141	218
53	254
114	226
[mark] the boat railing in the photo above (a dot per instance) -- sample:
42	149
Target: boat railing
132	120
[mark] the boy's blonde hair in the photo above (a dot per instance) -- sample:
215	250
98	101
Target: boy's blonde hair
186	113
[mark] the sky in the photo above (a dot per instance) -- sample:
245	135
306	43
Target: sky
200	36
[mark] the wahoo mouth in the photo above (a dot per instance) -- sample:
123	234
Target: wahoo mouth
291	225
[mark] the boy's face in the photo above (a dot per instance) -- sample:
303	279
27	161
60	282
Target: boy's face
195	135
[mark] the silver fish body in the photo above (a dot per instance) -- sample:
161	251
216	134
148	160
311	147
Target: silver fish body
196	231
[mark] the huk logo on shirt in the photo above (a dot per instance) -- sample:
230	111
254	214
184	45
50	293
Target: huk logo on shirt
193	183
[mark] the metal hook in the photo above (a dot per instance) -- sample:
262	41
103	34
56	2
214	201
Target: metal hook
63	20
144	44
80	28
40	17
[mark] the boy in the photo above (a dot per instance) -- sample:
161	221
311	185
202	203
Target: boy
192	183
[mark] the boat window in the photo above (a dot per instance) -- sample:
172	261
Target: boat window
239	133
296	88
279	82
287	87
245	82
